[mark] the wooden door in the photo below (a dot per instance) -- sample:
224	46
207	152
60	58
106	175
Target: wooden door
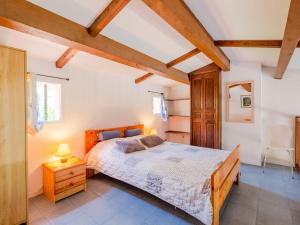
205	107
13	169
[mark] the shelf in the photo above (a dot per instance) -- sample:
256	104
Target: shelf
178	99
180	115
177	132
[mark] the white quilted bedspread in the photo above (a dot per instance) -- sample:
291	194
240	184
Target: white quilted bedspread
176	173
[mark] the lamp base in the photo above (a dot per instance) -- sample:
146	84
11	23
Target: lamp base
64	160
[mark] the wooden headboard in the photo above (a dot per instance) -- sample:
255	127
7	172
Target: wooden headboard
91	136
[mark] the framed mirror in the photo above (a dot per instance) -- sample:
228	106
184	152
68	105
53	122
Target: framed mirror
240	101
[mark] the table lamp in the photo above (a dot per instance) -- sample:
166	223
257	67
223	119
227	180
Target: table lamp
63	151
153	132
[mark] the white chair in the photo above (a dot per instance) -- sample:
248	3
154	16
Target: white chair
279	139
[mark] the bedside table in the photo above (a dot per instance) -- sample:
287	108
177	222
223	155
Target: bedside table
64	179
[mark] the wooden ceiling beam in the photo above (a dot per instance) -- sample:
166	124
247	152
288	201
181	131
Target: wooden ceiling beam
65	32
251	43
179	16
183	57
100	22
171	63
106	16
68	54
144	77
290	39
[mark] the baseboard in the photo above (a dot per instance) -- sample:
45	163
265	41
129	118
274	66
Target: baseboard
278	162
254	163
35	193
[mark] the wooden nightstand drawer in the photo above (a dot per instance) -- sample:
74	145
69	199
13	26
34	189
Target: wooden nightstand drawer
69	183
69	173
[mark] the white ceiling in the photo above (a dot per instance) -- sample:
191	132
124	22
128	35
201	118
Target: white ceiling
140	28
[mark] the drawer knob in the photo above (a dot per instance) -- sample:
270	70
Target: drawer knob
72	173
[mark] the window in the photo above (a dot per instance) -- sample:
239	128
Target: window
156	105
48	101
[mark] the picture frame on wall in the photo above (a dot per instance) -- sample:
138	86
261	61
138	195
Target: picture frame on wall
246	101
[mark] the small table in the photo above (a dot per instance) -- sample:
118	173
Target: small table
64	179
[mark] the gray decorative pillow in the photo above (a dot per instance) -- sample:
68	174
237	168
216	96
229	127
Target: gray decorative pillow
128	146
151	141
133	132
106	135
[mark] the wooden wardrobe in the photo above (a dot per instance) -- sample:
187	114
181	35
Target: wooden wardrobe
206	107
13	156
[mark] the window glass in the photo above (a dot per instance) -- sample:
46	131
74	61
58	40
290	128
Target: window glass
48	101
156	105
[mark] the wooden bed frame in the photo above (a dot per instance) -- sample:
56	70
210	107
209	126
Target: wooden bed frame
227	173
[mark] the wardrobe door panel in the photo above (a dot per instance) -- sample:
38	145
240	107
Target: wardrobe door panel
209	93
196	95
196	134
13	169
210	135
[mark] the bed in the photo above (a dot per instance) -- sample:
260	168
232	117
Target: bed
194	179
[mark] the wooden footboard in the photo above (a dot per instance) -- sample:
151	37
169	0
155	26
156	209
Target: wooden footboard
221	181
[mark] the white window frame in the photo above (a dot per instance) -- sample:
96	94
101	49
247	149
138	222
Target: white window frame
34	98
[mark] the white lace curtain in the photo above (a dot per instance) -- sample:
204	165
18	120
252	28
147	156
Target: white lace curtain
163	108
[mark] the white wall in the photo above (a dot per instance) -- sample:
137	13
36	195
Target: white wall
90	100
281	104
248	135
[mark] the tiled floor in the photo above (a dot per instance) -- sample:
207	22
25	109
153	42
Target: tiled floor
270	198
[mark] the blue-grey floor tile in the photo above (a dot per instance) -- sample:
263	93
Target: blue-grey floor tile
124	219
240	213
295	217
162	217
251	179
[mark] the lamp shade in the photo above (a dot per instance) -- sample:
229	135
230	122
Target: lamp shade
153	132
63	150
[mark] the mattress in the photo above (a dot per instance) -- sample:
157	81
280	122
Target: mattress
176	173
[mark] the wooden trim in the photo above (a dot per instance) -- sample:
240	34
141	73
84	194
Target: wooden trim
178	99
290	39
106	16
179	116
230	84
177	132
183	57
180	17
222	180
65	58
91	136
65	32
